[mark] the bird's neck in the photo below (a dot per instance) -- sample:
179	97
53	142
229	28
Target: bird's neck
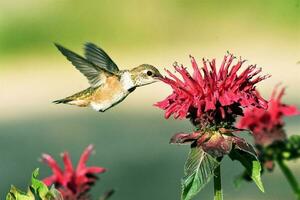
127	81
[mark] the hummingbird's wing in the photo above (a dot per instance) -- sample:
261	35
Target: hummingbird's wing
98	56
95	74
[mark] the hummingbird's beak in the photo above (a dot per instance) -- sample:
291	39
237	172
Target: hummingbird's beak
159	77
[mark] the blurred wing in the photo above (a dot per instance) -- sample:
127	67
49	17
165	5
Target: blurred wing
97	56
95	74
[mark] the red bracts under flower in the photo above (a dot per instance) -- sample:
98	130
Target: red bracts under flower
216	143
267	125
72	183
212	94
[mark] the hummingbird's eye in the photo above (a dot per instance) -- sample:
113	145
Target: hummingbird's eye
149	73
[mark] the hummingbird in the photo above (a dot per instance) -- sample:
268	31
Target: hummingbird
108	85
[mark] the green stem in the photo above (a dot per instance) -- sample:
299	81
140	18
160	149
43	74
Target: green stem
290	177
218	193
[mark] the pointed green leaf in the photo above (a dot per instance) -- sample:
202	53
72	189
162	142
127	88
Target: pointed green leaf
252	165
37	191
16	194
198	170
38	186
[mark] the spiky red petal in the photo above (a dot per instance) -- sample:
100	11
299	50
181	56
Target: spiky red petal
73	184
213	93
267	125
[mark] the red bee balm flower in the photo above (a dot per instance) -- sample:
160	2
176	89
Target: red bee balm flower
212	100
213	96
267	125
72	183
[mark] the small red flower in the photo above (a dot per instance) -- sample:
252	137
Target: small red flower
212	96
267	125
72	183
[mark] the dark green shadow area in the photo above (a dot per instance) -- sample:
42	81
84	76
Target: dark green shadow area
134	148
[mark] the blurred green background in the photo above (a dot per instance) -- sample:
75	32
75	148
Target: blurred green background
131	140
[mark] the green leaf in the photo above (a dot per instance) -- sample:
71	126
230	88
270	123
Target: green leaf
55	193
16	194
39	187
36	191
198	170
252	165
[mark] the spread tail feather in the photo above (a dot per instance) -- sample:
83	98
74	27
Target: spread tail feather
62	101
78	98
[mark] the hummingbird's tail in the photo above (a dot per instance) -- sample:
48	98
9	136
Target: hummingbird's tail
66	100
78	99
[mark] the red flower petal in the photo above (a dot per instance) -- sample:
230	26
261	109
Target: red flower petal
57	172
95	170
212	93
67	162
72	184
84	157
49	180
266	125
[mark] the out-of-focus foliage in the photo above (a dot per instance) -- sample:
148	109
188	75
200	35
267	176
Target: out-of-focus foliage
31	26
36	191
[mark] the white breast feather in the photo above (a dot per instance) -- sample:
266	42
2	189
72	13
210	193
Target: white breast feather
100	106
107	104
127	84
127	81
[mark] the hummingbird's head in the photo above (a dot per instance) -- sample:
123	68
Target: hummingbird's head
145	74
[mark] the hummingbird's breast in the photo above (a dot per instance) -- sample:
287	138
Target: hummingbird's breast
108	94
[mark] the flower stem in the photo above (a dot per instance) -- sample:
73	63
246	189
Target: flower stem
218	193
290	177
